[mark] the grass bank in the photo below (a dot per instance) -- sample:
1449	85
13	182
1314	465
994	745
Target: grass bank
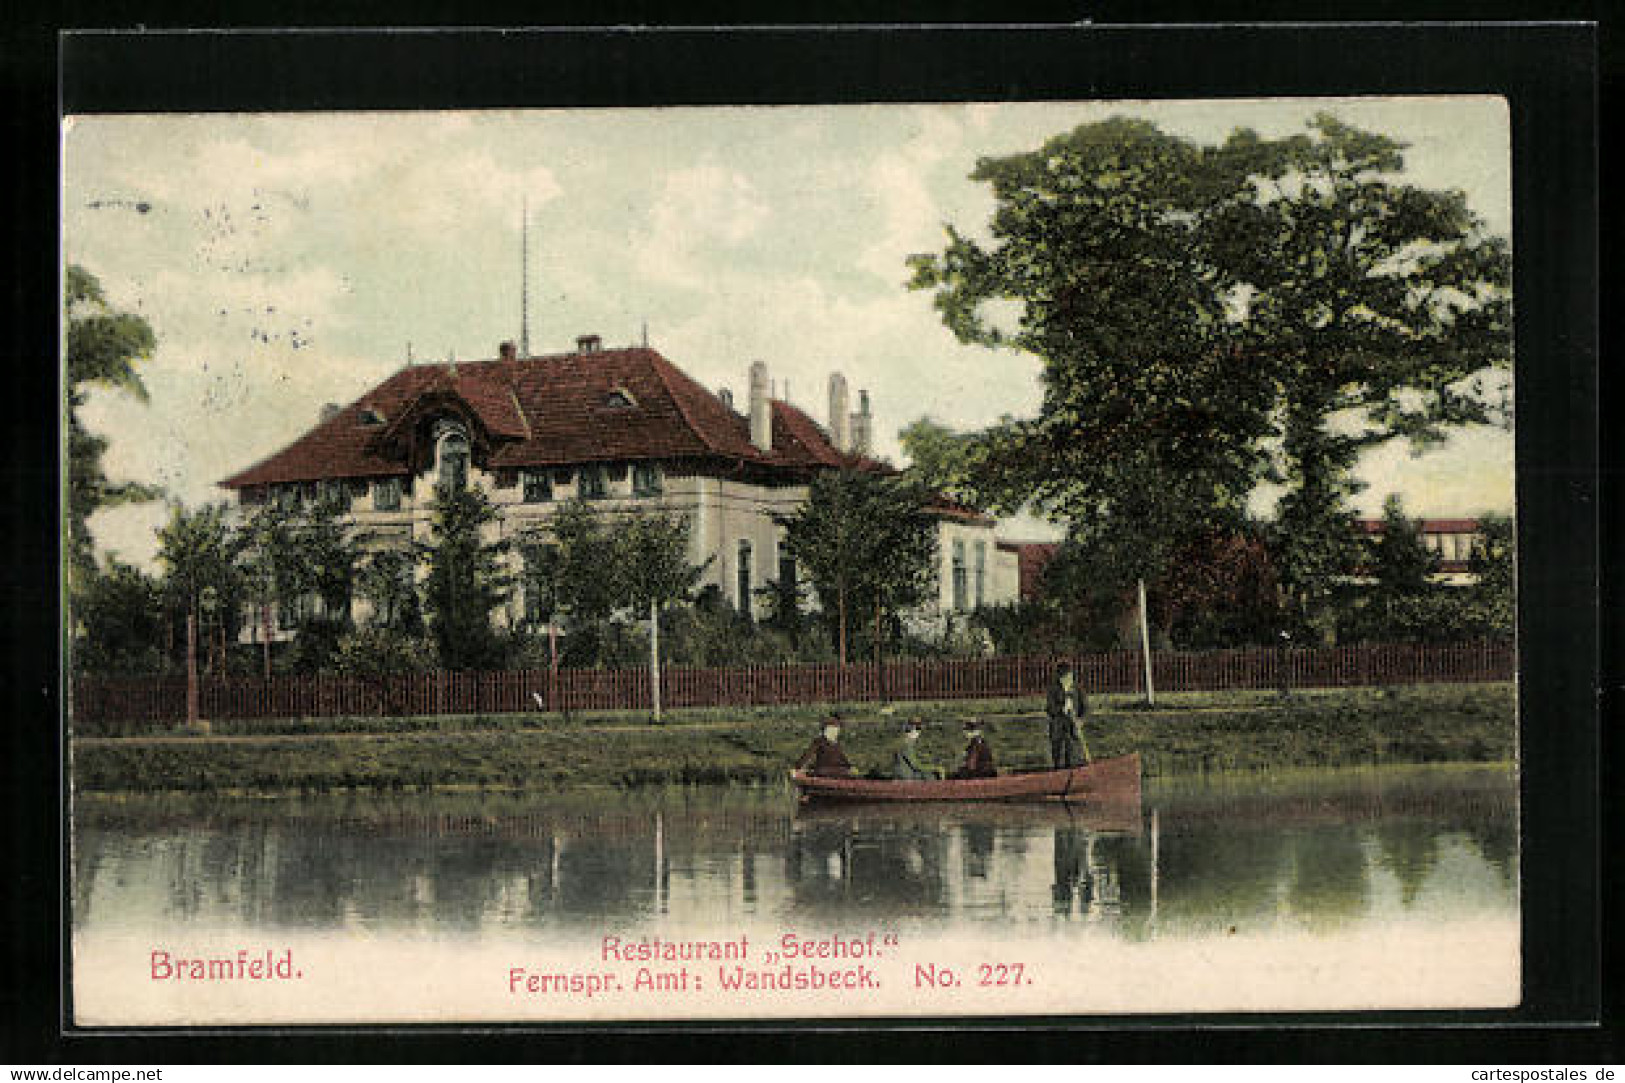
1187	733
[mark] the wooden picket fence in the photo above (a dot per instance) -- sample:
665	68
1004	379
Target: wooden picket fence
104	705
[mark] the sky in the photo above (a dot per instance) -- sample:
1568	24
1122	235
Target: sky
289	260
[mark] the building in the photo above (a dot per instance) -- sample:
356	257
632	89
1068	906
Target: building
1451	540
624	428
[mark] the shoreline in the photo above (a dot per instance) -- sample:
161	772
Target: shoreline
1188	733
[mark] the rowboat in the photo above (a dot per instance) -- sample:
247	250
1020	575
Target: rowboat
1111	781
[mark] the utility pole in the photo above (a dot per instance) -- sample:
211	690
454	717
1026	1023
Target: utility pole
524	277
654	655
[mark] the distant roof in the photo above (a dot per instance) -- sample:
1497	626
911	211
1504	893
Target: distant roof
605	405
1428	526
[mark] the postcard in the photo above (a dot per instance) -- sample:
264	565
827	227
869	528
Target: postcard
984	559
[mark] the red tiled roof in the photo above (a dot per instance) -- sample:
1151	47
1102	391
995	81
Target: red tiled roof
556	410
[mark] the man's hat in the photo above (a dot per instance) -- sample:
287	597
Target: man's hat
972	724
912	726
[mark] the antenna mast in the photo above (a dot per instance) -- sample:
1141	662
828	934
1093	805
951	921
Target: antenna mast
524	277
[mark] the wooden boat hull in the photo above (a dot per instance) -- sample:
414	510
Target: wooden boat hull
1113	781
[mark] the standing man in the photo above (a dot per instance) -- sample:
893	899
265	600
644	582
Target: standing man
1065	704
824	756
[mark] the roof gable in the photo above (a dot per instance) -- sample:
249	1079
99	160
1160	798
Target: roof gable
545	411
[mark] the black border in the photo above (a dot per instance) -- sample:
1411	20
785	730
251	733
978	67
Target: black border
1548	73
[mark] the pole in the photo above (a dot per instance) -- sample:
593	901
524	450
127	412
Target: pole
191	666
654	656
1145	648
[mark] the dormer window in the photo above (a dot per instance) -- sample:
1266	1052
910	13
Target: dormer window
452	452
369	416
620	399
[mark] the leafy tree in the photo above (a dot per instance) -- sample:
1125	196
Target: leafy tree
121	623
385	579
1147	422
651	571
866	545
330	559
466	580
1400	561
103	348
1210	316
199	552
272	568
1375	306
1493	564
571	565
651	567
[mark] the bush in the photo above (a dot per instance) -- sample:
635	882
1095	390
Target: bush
383	650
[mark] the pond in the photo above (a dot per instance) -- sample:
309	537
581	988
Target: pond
1312	890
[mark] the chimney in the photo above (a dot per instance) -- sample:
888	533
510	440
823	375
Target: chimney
761	413
507	352
840	421
589	344
727	397
862	433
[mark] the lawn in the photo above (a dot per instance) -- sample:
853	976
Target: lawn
1186	733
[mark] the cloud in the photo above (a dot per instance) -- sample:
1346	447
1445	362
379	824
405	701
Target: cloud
699	211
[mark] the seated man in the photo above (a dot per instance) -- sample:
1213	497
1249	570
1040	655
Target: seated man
904	766
824	756
978	757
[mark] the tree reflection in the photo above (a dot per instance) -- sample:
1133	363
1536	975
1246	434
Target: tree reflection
1329	886
1410	850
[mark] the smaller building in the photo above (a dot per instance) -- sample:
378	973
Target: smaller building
1451	540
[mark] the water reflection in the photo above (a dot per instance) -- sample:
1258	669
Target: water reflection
1202	856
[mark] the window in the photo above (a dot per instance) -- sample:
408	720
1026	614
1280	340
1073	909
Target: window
981	574
386	494
591	484
646	479
538	486
335	494
959	582
454	461
620	399
287	497
744	577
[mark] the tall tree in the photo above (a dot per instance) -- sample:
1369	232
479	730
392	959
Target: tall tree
1494	566
652	571
1147	422
272	568
198	552
574	561
103	348
1377	307
120	617
867	546
385	579
1210	316
466	579
1400	561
